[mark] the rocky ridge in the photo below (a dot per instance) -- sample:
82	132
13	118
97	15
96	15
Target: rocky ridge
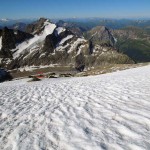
45	43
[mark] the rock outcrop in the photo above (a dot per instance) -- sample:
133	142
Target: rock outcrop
9	39
36	27
101	35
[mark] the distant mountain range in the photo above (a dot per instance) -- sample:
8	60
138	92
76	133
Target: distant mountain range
77	44
135	42
86	23
11	22
89	23
44	43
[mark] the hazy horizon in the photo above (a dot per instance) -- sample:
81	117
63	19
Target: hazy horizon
58	9
77	18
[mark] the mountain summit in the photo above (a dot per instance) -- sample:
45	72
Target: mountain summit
45	43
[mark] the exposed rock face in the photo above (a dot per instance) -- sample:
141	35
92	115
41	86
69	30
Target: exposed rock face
50	44
21	36
80	62
102	49
101	35
52	40
36	27
9	40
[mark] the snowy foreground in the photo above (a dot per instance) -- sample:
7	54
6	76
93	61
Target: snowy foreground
109	112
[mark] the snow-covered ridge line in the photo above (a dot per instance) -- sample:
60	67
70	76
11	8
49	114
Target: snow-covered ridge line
48	29
74	45
65	39
60	30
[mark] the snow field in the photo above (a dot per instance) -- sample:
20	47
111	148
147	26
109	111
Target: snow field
105	112
65	39
60	30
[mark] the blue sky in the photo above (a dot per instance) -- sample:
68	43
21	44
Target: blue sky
74	8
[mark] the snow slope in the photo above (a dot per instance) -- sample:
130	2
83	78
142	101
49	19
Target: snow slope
65	39
105	112
20	49
60	30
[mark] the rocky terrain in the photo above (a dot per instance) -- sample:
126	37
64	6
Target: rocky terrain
101	35
9	39
45	43
132	41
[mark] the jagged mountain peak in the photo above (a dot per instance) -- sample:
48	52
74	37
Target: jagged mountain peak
37	26
46	43
101	35
42	20
60	23
100	28
9	39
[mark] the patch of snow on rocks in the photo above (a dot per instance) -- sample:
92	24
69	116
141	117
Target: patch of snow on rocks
43	54
49	28
80	49
75	44
65	39
15	32
31	68
60	30
61	48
